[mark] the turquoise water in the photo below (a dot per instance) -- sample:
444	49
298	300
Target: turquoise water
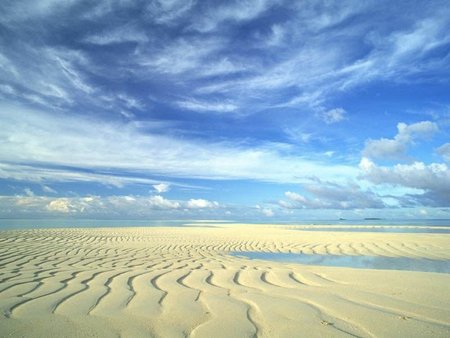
394	222
359	262
399	225
391	229
83	223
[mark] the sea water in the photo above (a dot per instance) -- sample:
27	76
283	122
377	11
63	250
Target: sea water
382	225
361	262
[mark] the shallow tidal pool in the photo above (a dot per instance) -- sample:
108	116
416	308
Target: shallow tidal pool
361	262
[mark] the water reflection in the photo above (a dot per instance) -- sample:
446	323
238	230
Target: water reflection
361	262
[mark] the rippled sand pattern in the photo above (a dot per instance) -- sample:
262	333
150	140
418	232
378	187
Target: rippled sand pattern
181	282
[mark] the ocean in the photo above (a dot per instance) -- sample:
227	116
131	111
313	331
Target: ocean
385	225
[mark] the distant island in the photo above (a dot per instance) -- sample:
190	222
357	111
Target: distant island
372	219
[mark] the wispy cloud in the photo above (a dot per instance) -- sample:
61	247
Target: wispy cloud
334	115
198	106
95	145
329	195
306	57
444	151
46	173
237	11
129	93
117	35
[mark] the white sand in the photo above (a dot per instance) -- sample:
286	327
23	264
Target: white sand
177	282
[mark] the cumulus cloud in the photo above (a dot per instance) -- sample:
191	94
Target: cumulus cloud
433	179
201	204
304	60
268	212
329	195
66	205
333	116
162	203
161	187
396	148
104	206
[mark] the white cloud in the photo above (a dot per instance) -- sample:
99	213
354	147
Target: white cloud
117	35
329	195
72	205
433	179
298	136
63	70
444	151
168	12
60	205
200	106
47	189
294	54
161	187
201	204
28	192
320	72
267	212
29	9
396	148
42	174
321	64
277	36
95	145
400	54
230	11
98	206
160	202
7	89
334	115
184	55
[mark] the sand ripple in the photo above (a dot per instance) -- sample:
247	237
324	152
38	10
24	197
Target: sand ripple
179	282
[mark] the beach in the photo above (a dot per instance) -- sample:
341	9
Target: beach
192	282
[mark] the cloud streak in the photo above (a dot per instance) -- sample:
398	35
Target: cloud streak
89	144
329	195
299	61
156	96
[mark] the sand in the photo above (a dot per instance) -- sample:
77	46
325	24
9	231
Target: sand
178	282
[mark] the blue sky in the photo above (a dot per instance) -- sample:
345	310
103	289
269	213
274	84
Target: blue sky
273	110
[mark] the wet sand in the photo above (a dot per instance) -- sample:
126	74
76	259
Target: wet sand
178	282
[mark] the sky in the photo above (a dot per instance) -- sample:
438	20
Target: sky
230	110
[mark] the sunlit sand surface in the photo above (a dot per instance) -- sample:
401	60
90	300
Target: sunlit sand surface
182	282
